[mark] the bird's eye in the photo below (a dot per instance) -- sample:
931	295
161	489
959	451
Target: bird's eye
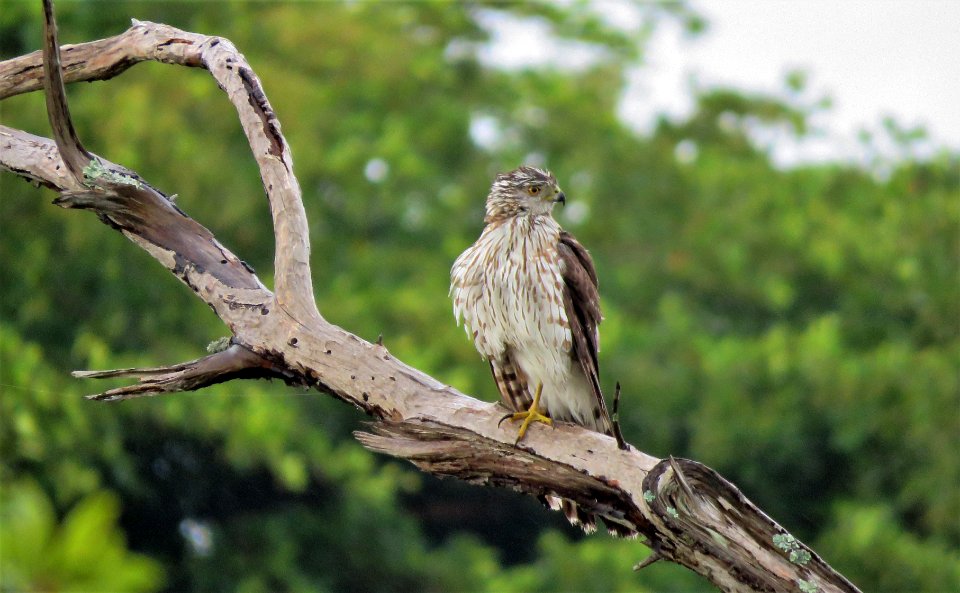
533	190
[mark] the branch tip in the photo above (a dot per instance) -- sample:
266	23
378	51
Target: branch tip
232	363
681	478
652	558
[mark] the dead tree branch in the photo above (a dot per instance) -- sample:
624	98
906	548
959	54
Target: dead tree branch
686	512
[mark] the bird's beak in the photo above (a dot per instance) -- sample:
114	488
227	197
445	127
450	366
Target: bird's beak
560	199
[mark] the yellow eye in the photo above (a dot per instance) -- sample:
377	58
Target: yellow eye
533	190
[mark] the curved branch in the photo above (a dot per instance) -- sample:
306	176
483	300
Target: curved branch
145	41
74	155
686	512
94	60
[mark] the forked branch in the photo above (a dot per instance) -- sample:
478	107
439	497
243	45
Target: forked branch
684	511
234	362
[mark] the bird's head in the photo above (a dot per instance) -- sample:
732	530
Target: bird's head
523	191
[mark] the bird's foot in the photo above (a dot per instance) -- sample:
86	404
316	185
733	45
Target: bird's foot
529	416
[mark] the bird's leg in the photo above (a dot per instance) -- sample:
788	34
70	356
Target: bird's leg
531	415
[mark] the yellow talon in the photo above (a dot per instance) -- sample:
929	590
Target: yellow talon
531	415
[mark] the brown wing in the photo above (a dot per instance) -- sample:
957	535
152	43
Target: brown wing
511	381
581	300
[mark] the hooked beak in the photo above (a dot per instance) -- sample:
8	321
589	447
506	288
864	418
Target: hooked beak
561	199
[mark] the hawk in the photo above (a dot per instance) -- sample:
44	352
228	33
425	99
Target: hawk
526	291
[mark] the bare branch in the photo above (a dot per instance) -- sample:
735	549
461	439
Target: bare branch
94	60
72	151
702	516
448	450
235	362
687	512
653	557
150	41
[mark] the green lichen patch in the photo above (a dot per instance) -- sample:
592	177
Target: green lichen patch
791	546
95	171
218	345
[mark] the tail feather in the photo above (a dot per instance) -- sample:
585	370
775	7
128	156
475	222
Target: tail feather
586	521
511	382
577	516
619	530
574	514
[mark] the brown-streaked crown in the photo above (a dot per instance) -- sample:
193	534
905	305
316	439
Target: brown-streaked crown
525	190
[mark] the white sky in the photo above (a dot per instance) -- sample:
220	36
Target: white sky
872	57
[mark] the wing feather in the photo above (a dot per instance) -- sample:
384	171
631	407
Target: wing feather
581	300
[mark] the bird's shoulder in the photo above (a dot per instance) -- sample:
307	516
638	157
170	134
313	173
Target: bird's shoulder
575	258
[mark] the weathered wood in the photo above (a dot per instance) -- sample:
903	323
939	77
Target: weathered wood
234	362
684	511
74	155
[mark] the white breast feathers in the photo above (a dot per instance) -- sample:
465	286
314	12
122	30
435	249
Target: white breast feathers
507	287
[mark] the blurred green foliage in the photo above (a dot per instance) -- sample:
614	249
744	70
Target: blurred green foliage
86	552
795	329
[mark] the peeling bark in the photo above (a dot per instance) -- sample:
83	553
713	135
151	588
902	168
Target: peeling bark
684	511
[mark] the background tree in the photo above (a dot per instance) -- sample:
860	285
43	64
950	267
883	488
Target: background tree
769	323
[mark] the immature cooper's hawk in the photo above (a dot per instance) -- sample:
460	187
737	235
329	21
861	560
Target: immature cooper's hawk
527	293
